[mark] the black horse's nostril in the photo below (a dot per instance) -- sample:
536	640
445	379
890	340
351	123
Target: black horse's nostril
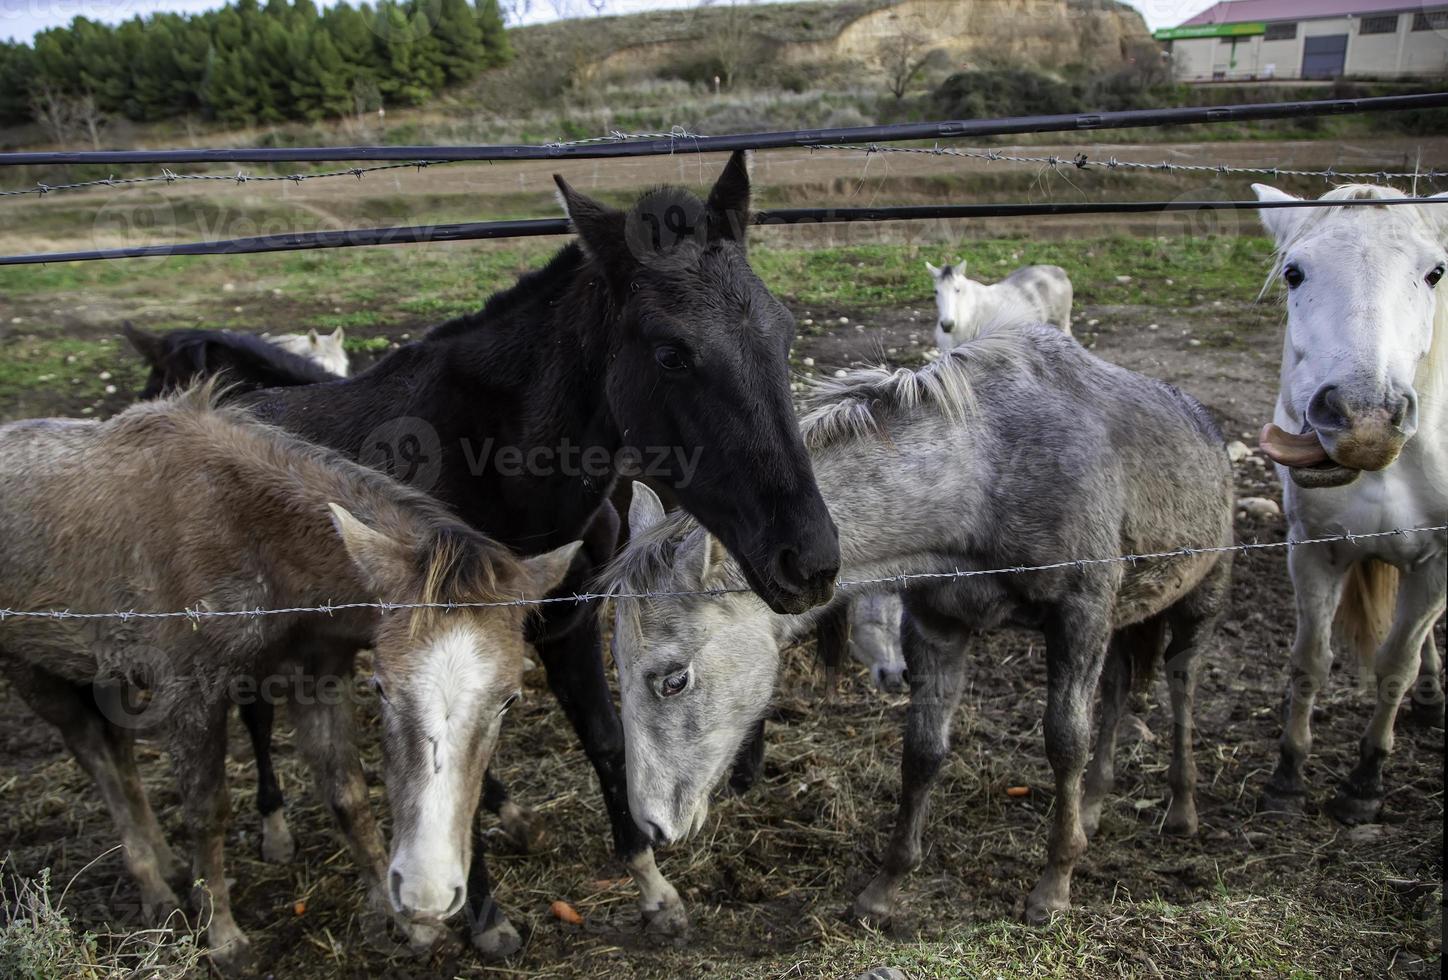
947	325
394	880
1327	410
789	568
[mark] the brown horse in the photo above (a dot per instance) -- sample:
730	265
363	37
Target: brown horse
179	504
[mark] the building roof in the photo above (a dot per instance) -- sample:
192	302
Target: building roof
1246	11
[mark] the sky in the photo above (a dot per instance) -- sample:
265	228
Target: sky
21	19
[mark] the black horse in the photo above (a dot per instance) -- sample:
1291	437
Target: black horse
648	347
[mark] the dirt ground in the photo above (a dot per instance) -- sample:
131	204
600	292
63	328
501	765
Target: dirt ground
769	878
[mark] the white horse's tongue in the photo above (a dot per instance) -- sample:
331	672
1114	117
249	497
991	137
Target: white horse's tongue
1286	449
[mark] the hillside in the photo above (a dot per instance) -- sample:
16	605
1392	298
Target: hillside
791	64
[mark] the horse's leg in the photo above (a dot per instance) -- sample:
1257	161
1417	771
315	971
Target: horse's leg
1181	677
1101	773
937	679
1425	709
491	933
521	825
1076	641
1317	590
85	731
832	641
1421	600
749	763
574	663
123	751
259	717
198	758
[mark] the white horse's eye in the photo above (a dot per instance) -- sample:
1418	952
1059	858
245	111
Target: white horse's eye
1432	277
1294	276
675	683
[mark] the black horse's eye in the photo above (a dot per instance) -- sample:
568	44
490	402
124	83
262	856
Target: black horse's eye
1294	276
1432	277
512	700
675	683
671	358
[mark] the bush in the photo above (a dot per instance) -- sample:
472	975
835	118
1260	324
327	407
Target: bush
1003	92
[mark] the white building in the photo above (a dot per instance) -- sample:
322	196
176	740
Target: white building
1240	40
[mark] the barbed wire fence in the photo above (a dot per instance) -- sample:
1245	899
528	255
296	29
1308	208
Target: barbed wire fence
901	580
867	140
1077	161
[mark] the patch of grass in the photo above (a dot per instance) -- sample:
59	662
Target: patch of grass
1163	271
38	941
36	371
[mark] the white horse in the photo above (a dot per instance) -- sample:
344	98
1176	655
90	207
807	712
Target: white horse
1031	294
869	628
1360	439
326	350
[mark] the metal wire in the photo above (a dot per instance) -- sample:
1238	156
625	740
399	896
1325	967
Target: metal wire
902	579
667	144
240	177
533	227
1082	161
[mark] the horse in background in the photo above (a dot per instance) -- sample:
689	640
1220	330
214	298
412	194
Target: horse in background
328	350
928	472
179	504
180	358
1360	442
1030	295
871	636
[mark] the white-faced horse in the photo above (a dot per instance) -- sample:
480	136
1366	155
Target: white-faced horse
324	349
1360	438
1031	294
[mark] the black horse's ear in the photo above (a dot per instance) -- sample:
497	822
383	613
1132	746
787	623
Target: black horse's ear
600	228
729	200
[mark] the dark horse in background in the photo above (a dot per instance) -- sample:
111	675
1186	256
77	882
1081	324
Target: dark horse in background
646	347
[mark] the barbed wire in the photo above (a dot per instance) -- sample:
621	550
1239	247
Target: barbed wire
1080	161
240	177
196	615
1083	161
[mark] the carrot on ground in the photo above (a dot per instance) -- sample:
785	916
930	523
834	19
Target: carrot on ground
564	912
1018	791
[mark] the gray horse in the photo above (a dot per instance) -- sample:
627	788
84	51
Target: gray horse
1017	449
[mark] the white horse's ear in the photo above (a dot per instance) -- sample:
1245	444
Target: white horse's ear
960	265
338	336
312	337
1281	222
934	271
645	510
710	558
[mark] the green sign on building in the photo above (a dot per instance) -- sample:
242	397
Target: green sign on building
1209	30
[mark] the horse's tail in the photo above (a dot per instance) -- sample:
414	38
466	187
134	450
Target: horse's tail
1366	611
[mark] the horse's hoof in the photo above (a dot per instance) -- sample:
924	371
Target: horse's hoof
522	826
873	908
277	844
1281	803
498	941
234	957
1090	821
1352	810
1180	823
668	921
1043	902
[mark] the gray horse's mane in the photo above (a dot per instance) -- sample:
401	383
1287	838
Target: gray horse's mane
839	409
